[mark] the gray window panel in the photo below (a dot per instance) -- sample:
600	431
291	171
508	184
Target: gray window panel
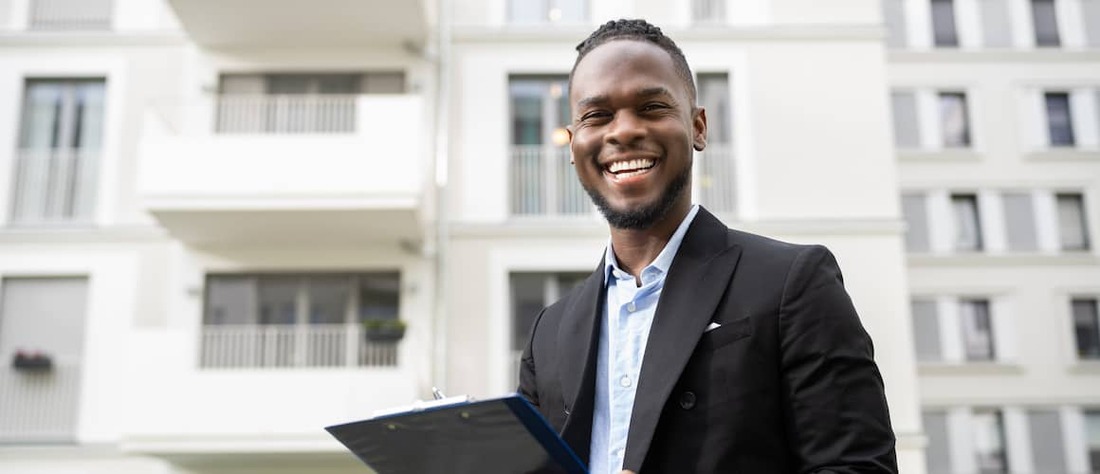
977	329
1047	445
944	33
913	209
569	11
954	120
1059	119
996	24
893	15
528	298
968	232
1090	15
1045	20
926	330
708	11
1020	222
937	453
906	124
383	83
1092	438
324	298
1072	226
714	96
527	11
43	314
989	442
1086	327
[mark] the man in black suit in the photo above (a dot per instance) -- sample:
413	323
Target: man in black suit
693	348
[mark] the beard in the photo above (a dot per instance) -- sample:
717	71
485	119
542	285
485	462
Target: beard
645	216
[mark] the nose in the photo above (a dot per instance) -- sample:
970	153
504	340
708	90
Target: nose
626	129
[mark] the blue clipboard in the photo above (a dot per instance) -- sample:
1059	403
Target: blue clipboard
496	436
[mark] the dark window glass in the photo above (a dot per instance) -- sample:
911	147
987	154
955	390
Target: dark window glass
1059	119
944	33
1045	20
1086	326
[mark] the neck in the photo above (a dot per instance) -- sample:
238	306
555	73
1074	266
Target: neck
636	248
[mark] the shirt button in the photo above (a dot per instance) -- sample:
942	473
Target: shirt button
630	307
687	400
625	381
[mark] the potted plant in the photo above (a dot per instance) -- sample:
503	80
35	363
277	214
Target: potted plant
31	361
384	330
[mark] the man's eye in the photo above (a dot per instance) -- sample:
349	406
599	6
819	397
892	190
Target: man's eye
594	116
653	106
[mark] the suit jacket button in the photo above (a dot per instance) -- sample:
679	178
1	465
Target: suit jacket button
687	400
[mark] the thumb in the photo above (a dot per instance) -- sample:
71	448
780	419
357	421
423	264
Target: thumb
624	471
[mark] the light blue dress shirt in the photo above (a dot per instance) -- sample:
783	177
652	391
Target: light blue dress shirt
624	331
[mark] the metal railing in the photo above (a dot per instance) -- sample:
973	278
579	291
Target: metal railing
292	345
286	114
543	183
54	186
708	11
715	178
70	14
39	406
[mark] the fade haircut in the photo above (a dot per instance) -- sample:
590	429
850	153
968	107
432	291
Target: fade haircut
637	30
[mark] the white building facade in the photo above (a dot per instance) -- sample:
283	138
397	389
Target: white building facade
212	218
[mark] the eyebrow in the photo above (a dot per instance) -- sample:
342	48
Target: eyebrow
603	98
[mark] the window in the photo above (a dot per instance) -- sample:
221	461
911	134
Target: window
1048	452
299	102
944	33
954	120
715	171
1059	119
1072	227
708	11
926	330
906	122
938	452
914	211
531	292
1020	229
977	329
968	235
543	182
1086	327
989	441
61	134
547	11
1045	20
297	320
1092	438
893	14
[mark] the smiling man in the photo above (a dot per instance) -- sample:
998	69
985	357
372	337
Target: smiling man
693	348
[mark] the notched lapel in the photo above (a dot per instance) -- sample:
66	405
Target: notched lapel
695	284
578	336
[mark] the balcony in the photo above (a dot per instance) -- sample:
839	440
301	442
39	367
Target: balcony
70	15
276	23
297	168
39	406
286	346
53	187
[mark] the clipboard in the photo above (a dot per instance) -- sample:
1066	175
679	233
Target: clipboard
496	436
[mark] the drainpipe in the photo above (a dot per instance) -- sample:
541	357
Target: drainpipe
440	171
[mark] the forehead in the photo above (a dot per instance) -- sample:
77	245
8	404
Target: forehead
625	65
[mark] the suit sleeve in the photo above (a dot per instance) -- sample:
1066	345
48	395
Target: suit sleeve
528	387
836	415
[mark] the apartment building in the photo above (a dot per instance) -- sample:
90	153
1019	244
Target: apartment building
995	114
212	217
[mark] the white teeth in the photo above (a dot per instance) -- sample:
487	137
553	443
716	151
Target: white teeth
632	167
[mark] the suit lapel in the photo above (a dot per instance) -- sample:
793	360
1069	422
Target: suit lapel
578	339
695	283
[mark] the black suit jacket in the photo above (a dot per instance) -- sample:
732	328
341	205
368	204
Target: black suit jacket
786	384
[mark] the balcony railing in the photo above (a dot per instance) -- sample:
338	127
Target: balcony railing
70	14
289	113
543	183
54	186
39	407
292	346
715	178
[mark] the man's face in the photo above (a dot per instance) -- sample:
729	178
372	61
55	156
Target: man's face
634	126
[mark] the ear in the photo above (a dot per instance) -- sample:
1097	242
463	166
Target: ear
569	130
699	129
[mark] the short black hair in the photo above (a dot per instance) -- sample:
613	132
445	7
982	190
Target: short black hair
637	30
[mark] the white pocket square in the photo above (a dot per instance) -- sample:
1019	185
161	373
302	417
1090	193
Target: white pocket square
712	326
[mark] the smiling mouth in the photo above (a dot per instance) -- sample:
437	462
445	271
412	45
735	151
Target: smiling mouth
629	168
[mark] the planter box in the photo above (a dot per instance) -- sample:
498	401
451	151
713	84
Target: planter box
391	333
32	363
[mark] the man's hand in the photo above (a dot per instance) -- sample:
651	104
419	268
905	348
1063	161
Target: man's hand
626	472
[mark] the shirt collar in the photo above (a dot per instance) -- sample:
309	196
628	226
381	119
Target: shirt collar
663	260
